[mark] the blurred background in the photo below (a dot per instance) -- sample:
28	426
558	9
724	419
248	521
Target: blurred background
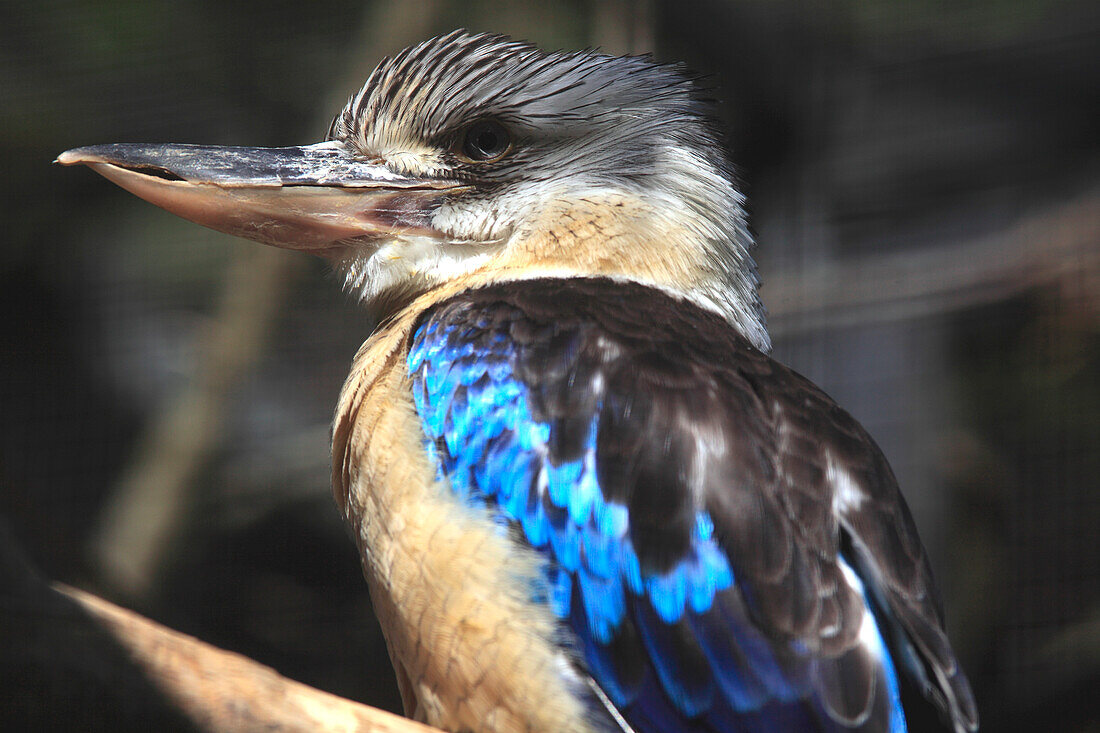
923	182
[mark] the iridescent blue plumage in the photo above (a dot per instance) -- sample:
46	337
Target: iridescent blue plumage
495	444
672	643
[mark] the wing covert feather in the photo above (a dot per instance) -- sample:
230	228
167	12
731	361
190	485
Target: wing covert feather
695	500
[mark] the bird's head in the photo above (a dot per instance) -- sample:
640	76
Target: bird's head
474	157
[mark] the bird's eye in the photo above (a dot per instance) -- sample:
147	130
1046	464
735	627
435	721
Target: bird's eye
485	141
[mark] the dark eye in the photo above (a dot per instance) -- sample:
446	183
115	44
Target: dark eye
485	140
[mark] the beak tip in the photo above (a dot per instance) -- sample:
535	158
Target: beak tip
71	157
88	154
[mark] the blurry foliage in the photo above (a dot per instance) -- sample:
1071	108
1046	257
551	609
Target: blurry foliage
971	23
1028	388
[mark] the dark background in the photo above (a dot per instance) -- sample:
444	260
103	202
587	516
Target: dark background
923	183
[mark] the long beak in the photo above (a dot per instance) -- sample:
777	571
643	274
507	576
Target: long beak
315	198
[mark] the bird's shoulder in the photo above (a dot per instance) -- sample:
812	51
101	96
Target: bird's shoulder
727	480
689	416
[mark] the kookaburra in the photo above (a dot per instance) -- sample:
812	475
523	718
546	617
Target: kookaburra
585	497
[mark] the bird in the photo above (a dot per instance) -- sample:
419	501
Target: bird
585	495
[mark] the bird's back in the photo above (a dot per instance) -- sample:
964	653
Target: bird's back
676	516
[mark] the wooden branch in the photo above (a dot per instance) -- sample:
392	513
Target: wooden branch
1056	247
144	514
219	690
70	660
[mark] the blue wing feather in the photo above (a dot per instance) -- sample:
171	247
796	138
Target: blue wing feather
703	664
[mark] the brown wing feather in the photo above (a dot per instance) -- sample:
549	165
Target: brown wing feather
789	478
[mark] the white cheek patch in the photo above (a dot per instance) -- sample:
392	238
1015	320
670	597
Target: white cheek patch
399	262
476	221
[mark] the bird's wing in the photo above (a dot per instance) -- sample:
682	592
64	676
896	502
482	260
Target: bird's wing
729	547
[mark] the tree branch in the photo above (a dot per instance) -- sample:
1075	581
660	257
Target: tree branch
72	660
